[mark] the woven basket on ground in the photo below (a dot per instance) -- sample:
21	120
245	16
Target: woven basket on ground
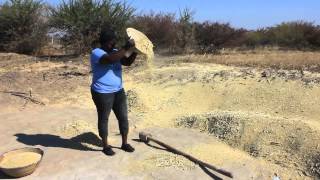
21	171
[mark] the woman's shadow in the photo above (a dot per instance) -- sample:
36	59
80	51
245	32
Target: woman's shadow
48	140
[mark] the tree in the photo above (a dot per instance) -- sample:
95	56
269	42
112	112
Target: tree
160	28
297	34
82	20
293	35
214	36
23	26
186	29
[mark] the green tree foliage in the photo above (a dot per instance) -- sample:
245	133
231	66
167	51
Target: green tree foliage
293	35
256	38
23	26
82	20
297	34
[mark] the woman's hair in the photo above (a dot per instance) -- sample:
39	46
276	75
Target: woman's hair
107	35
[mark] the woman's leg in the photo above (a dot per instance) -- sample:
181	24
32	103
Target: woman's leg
104	103
120	109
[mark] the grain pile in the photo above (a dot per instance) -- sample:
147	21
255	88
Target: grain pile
20	160
263	136
77	127
81	132
171	160
224	125
143	44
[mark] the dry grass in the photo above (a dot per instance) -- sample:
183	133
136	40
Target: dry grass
265	58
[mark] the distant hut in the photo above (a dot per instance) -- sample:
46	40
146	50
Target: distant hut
55	36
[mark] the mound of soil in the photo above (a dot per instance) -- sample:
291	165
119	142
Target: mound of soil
289	143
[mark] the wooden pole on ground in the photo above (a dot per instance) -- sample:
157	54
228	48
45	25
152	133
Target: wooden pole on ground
144	137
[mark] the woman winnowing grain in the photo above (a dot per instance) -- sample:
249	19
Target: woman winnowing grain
106	88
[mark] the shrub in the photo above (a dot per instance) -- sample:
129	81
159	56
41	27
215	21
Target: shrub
82	21
160	28
185	31
211	37
293	35
23	26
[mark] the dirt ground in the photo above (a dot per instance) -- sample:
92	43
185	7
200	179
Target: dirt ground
252	122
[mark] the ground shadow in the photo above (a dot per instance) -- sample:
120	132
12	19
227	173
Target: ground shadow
156	147
206	170
4	176
40	139
49	140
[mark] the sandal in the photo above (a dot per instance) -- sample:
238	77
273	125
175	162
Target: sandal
127	148
108	151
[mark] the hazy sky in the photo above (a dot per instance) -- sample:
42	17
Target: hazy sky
250	14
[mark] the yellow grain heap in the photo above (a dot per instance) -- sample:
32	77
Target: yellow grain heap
20	160
76	127
143	44
171	160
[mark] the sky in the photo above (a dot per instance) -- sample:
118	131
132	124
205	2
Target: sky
250	14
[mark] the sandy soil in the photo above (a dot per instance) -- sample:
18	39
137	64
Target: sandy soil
252	122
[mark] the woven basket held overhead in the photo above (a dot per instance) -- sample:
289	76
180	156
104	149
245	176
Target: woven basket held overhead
143	44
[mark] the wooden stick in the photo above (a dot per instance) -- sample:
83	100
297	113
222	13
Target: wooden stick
193	159
15	92
28	98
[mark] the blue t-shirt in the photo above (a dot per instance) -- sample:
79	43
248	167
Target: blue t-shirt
107	78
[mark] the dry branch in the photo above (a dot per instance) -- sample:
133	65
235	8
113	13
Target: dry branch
24	96
29	99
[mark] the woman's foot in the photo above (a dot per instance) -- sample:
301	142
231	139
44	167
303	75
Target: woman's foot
127	148
108	151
